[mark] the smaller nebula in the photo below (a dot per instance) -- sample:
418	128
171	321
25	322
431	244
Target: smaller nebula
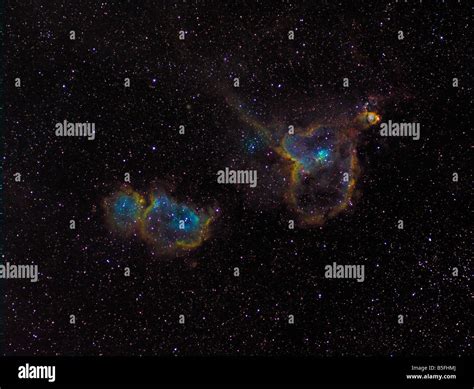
124	209
169	226
166	225
366	119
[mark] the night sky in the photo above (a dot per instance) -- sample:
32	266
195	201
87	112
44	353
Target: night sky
282	82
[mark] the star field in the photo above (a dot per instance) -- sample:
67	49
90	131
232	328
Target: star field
170	113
